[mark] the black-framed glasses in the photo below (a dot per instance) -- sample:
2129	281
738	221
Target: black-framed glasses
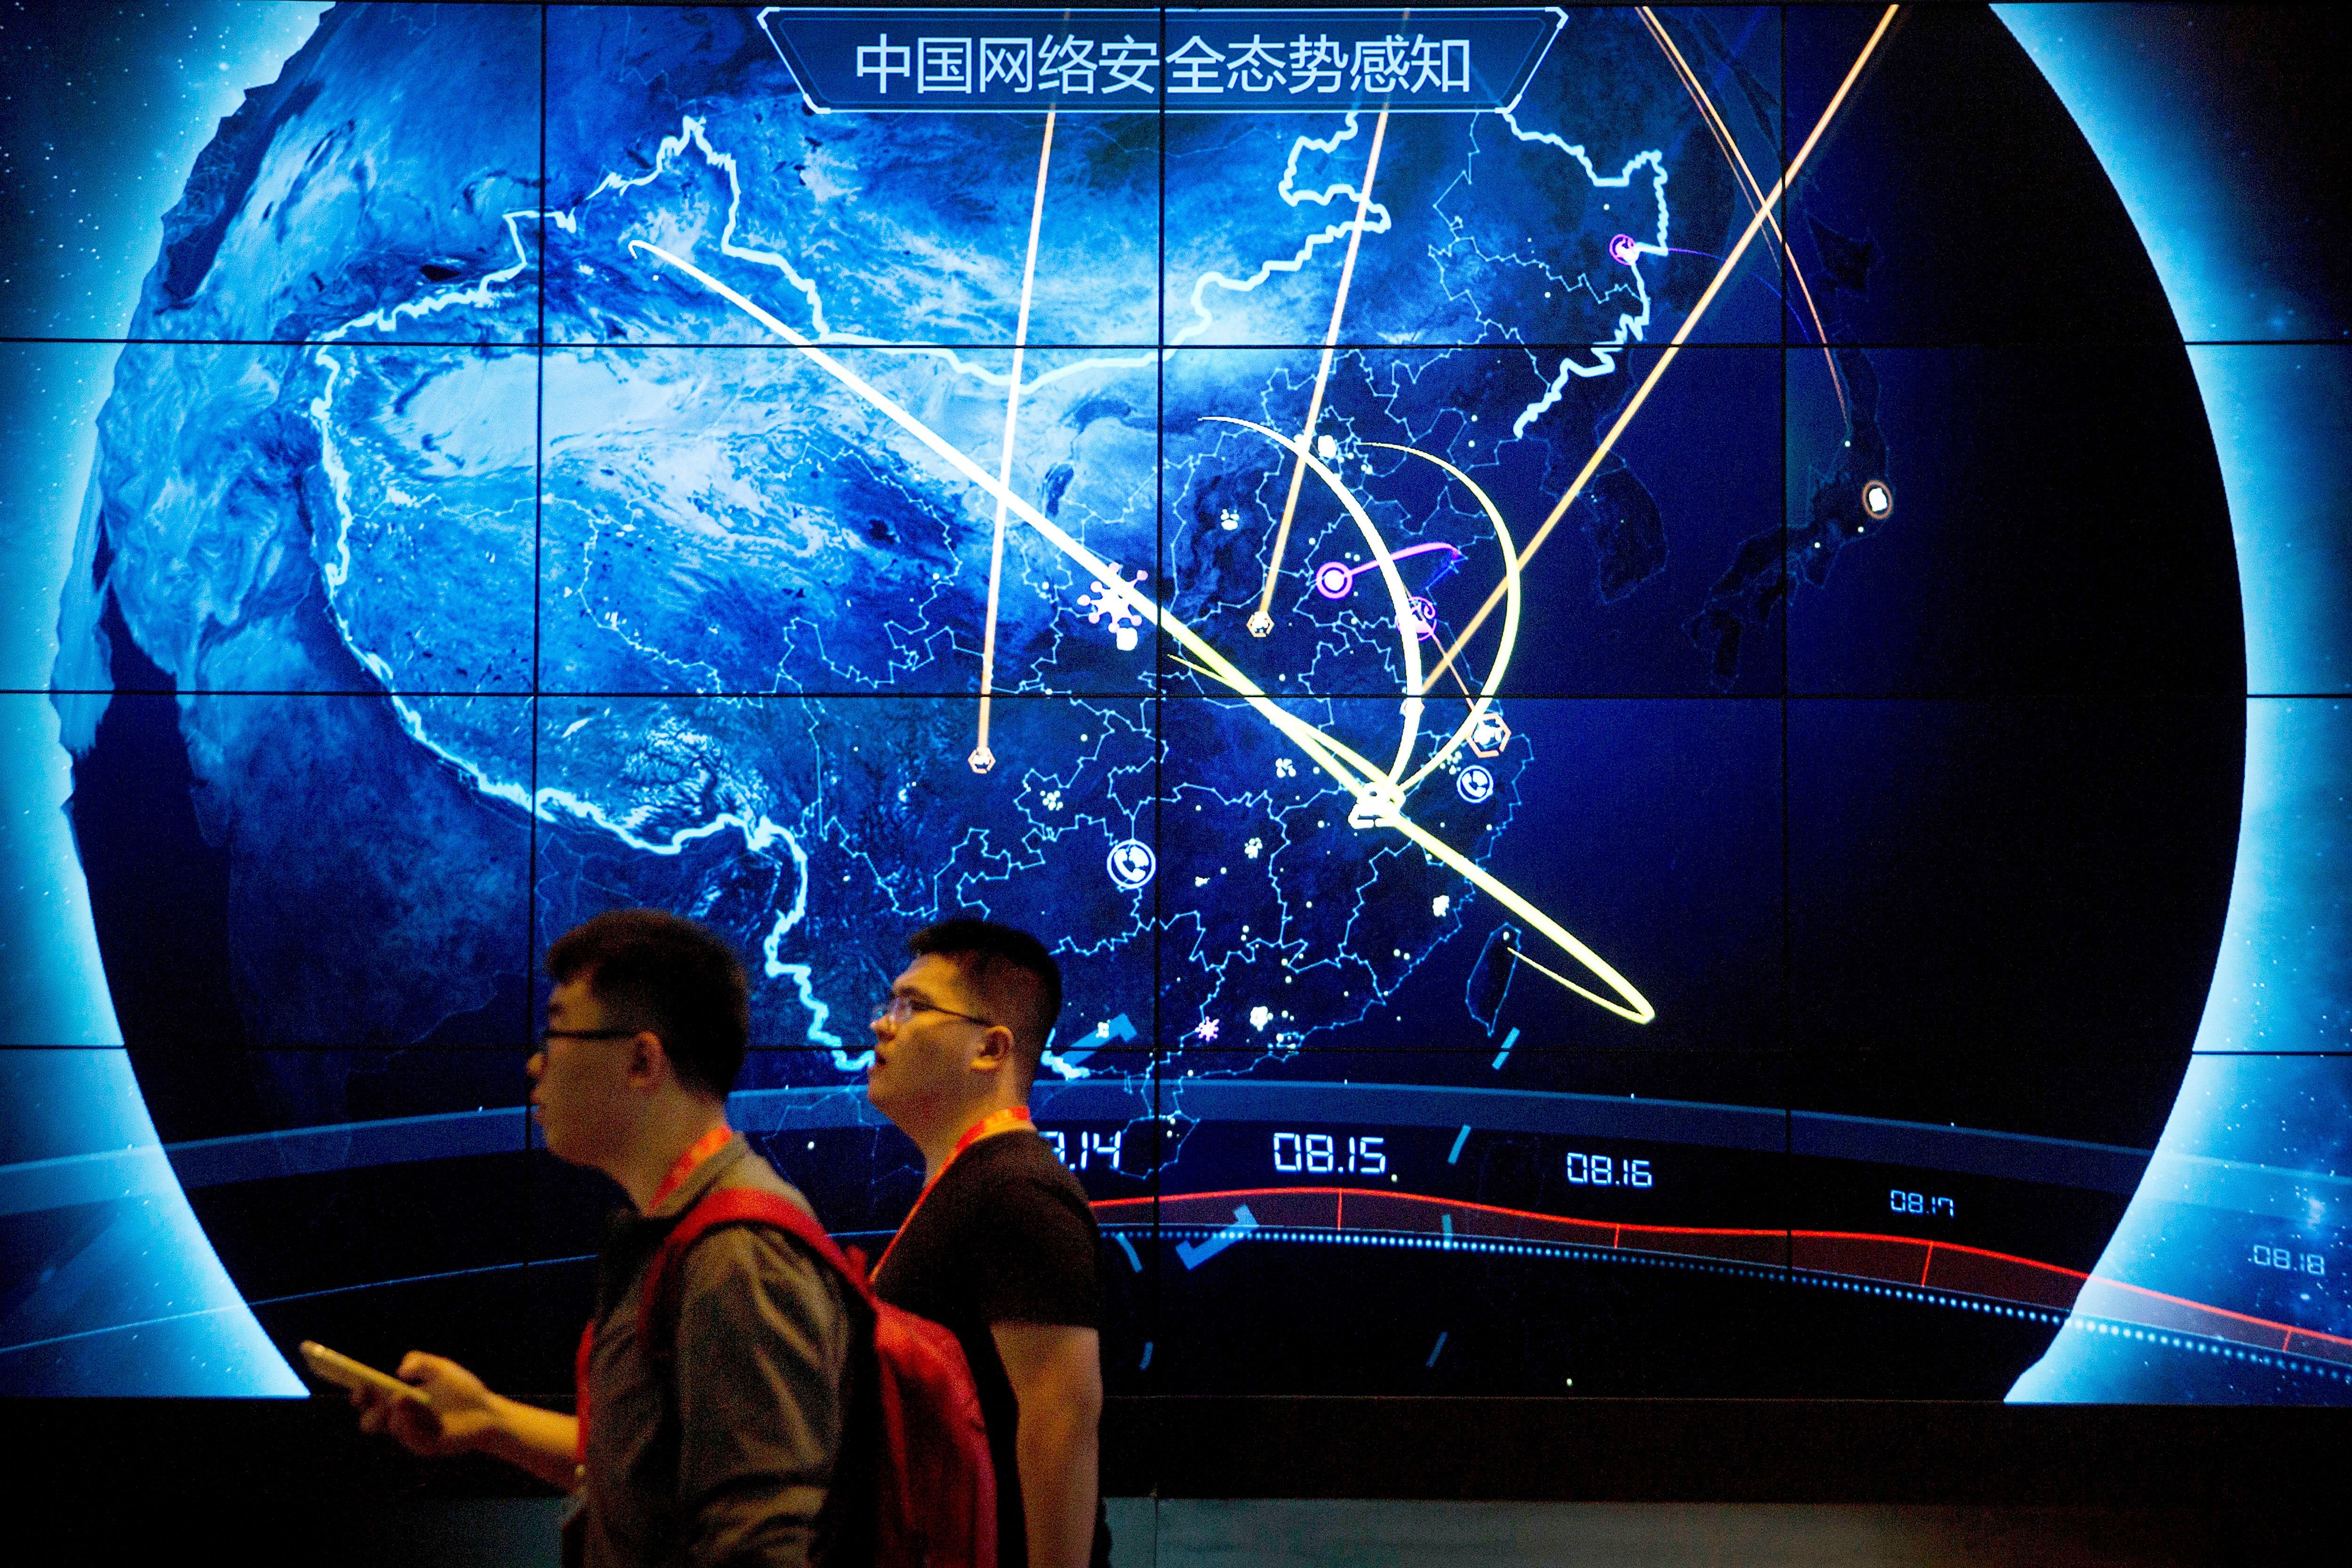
547	1034
899	1009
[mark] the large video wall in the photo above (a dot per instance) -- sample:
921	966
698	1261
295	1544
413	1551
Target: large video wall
1673	728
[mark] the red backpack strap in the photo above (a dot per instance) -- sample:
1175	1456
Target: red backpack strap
657	1306
581	1360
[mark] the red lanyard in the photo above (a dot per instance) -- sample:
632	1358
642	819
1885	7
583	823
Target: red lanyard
704	1147
988	1126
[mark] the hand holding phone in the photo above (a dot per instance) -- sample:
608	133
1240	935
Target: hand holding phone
435	1407
356	1375
438	1408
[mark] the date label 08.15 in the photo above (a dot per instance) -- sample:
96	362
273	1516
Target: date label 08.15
1322	1154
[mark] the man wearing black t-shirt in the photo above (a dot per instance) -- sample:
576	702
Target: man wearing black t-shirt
1001	1248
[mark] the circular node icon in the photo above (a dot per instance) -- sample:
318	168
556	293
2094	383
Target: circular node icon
1475	784
1425	618
1332	580
1623	250
1878	500
1132	863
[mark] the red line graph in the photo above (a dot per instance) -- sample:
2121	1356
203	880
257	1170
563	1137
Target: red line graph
1909	1261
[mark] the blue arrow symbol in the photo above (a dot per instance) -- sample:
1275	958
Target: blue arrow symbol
1194	1254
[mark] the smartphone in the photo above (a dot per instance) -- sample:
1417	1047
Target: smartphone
340	1369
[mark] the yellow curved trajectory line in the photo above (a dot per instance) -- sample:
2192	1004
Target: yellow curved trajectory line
1262	623
1640	1012
981	758
1416	689
1510	618
1743	181
1399	598
1327	752
1715	285
1367	784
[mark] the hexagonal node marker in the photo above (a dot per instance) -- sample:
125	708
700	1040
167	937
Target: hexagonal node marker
1490	737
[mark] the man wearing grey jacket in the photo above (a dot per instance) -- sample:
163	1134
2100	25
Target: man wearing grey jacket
720	1446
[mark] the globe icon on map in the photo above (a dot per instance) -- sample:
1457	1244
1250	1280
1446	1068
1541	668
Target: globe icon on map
1131	863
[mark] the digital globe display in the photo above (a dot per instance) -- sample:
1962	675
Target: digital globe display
1609	656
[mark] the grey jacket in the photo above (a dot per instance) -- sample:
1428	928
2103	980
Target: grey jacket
729	1458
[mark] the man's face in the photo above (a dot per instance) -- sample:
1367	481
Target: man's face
579	1077
922	1063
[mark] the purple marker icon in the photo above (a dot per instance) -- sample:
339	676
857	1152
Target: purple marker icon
1622	249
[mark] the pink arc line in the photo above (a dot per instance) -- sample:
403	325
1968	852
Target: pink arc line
1330	569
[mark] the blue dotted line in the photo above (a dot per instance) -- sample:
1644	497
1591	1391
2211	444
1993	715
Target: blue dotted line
1477	1245
2275	1360
1929	1298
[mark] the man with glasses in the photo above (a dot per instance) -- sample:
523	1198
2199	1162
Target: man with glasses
719	1445
1002	1246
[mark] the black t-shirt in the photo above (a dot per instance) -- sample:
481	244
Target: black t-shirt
1007	1236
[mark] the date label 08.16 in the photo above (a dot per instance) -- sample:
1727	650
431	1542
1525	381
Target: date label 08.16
1606	1171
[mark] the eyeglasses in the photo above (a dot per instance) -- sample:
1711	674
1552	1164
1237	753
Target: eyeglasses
547	1034
899	1009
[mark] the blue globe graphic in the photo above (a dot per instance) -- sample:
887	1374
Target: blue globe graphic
467	554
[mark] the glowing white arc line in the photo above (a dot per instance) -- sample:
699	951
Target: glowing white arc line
1690	322
1363	780
981	758
1261	623
1416	686
1511	589
1400	597
1325	751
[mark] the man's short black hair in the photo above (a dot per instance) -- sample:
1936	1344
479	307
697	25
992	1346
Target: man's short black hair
653	970
1011	973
